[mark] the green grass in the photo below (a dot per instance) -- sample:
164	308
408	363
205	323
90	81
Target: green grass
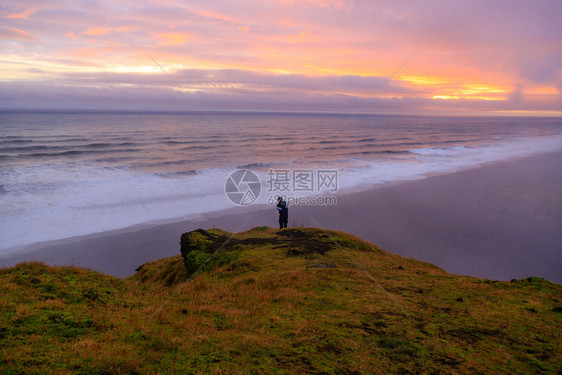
276	302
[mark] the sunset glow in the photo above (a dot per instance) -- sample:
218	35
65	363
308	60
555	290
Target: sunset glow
471	57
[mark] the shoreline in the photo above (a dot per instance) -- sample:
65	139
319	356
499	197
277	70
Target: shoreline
476	221
22	250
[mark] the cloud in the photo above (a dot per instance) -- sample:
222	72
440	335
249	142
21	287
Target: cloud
542	70
172	38
96	31
15	34
21	15
234	90
213	80
330	52
13	95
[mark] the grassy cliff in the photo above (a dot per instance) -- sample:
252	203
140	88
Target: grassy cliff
268	301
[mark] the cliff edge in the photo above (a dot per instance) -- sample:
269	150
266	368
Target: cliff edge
297	300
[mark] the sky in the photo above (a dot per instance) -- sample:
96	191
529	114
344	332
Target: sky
464	57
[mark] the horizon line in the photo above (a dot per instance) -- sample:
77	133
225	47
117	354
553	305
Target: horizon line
532	114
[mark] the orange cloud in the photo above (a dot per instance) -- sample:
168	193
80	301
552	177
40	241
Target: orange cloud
336	4
542	90
23	15
305	36
16	34
211	14
96	31
124	28
172	38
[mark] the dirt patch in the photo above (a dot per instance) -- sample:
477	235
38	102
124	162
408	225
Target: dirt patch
472	335
209	242
321	265
298	243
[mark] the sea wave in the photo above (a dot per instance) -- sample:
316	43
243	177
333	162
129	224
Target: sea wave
9	141
76	153
74	200
441	151
257	165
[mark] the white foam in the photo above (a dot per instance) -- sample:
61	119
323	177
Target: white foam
72	201
441	151
428	161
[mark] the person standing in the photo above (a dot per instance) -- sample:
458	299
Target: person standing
283	212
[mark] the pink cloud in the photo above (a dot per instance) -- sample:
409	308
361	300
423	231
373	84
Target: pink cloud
21	15
15	34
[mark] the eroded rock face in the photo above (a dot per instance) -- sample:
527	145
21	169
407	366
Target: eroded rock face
198	247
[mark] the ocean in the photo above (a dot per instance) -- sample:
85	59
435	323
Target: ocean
69	174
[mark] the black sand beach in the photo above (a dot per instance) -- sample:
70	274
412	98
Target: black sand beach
500	221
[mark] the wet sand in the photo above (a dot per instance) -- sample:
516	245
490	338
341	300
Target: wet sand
500	221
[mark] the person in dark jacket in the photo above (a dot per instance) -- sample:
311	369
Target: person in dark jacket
283	212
